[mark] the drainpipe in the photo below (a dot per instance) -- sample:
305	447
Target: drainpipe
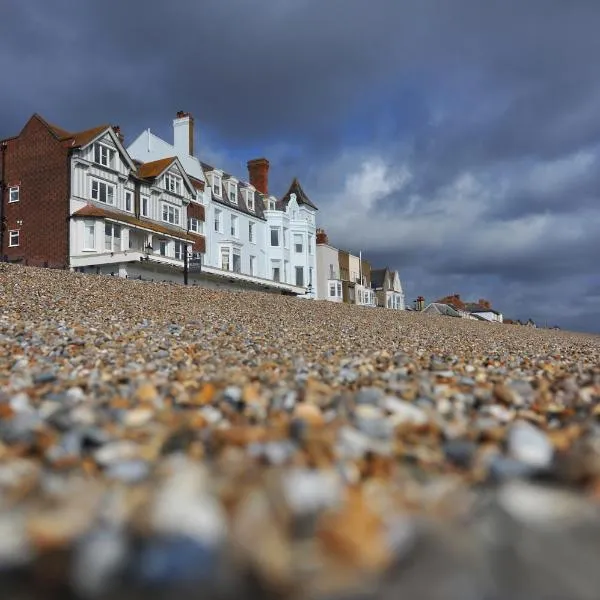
3	148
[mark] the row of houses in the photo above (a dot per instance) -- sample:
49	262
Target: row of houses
453	306
153	210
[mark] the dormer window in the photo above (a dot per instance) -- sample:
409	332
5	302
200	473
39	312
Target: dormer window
250	199
271	204
172	183
103	155
233	192
216	185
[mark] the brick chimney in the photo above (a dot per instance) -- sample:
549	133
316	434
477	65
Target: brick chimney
258	173
484	303
183	133
322	237
120	136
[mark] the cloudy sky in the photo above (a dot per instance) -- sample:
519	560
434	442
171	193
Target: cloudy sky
456	141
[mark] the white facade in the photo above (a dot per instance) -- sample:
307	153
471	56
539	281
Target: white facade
122	221
237	228
329	283
493	316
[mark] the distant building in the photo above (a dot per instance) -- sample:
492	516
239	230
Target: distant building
388	288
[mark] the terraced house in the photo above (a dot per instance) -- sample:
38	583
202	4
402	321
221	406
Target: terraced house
253	239
79	201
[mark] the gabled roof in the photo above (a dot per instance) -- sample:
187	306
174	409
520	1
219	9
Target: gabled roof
301	197
95	211
378	277
473	307
154	169
240	205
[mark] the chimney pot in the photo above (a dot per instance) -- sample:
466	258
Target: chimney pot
258	173
117	130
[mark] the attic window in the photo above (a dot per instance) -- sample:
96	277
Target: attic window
216	185
250	197
271	204
173	183
233	192
103	155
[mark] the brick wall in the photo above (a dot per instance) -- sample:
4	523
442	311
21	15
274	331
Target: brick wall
39	164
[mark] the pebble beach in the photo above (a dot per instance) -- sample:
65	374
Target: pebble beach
163	441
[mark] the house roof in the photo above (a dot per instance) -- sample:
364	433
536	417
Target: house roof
437	308
473	307
95	211
151	170
240	205
378	277
301	197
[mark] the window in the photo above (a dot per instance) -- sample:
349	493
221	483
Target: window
310	276
234	226
332	288
179	250
128	201
112	237
310	244
145	206
103	192
225	259
274	236
276	274
13	238
89	235
300	276
250	200
298	245
170	214
271	204
13	194
103	155
251	232
360	296
233	192
218	221
162	247
196	225
237	261
253	265
217	185
172	183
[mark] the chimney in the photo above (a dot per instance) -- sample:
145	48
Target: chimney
484	303
258	172
183	133
420	303
322	237
118	133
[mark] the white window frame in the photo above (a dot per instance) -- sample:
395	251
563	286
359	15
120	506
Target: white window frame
252	264
218	224
299	269
196	225
278	230
233	193
217	185
179	250
276	265
271	204
128	194
296	244
11	235
173	183
108	187
113	237
163	244
332	289
173	214
145	206
251	232
99	148
86	225
229	261
236	252
250	200
310	243
234	226
14	194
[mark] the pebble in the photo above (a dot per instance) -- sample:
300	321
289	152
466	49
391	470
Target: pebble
315	450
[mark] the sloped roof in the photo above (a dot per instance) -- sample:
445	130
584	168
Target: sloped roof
240	205
437	308
378	277
153	169
473	307
95	211
301	197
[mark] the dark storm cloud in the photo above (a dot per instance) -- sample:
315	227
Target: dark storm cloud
457	141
